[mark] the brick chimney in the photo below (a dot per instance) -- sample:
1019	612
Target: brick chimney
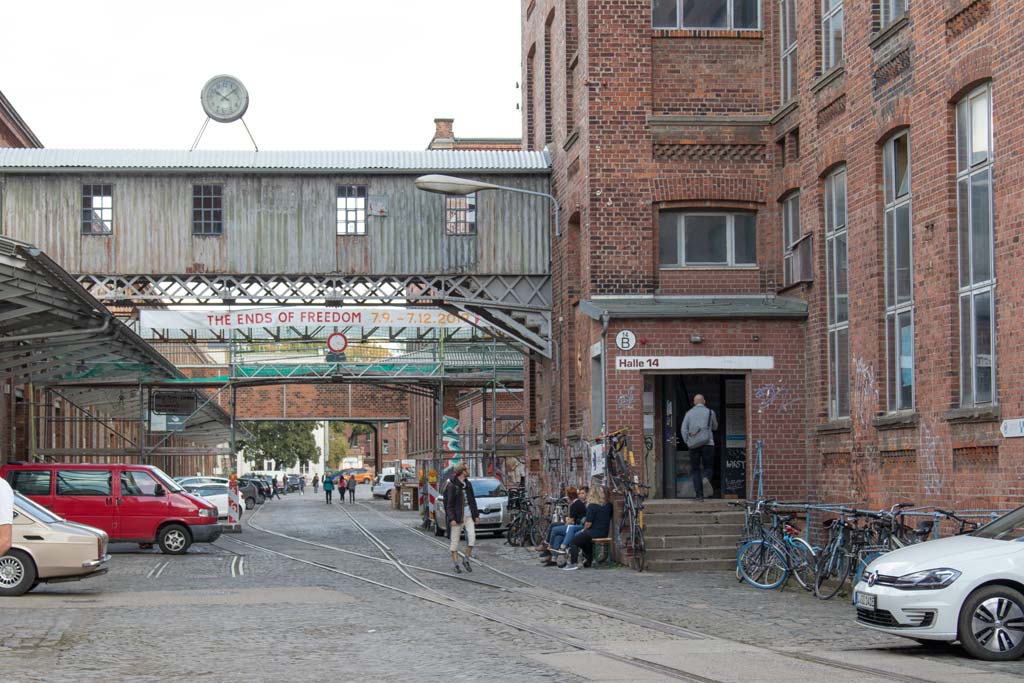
444	134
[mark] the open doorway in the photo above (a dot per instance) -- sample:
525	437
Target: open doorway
727	396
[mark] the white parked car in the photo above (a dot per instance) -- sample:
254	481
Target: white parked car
216	494
963	588
383	486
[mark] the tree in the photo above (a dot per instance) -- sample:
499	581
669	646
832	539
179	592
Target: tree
286	443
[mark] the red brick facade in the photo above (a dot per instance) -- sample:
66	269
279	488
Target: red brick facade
644	120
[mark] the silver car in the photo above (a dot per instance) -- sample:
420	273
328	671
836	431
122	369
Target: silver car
491	501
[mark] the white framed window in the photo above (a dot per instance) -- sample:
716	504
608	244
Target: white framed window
787	46
351	209
707	239
891	10
790	235
721	14
97	209
976	239
836	270
899	271
460	214
832	33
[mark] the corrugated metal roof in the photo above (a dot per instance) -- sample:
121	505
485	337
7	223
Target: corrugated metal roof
271	161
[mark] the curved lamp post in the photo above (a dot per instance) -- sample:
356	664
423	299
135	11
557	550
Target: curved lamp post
451	185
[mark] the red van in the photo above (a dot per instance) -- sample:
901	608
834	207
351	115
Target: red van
132	503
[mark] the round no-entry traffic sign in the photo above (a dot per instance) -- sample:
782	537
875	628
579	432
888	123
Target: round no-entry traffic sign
337	342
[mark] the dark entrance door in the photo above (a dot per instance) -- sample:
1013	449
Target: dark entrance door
726	395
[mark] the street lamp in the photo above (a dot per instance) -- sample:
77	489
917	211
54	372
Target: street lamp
450	185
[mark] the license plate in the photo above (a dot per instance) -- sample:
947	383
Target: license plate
866	600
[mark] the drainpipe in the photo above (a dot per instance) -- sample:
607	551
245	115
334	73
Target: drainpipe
604	370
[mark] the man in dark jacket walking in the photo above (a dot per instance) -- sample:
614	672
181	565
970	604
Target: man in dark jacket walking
460	510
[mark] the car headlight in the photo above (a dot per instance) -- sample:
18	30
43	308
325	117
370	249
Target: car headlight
929	579
205	512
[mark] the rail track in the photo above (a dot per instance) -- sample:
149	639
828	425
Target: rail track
420	590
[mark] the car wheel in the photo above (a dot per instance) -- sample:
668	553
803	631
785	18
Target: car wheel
250	503
388	494
992	623
17	573
174	539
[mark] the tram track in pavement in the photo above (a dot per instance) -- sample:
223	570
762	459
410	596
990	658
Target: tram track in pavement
654	624
539	593
440	598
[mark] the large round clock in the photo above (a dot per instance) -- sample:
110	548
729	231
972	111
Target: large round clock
224	98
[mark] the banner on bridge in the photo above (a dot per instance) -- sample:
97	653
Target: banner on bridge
304	316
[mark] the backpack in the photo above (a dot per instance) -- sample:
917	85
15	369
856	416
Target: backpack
701	437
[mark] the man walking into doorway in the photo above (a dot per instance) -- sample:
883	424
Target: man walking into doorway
698	432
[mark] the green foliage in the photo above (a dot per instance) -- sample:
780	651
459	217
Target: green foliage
286	443
338	436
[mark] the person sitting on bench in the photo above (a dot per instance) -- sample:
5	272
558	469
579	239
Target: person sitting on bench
560	535
597	524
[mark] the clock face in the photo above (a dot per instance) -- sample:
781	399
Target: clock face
224	98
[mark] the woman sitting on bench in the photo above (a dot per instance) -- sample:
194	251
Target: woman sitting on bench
596	525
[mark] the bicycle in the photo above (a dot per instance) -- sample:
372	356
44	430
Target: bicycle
627	483
777	553
523	529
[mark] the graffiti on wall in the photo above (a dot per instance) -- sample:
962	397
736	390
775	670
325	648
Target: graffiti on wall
774	396
930	448
864	396
450	441
626	400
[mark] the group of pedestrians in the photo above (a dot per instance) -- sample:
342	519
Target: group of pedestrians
341	483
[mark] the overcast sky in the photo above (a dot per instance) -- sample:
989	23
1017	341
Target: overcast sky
330	74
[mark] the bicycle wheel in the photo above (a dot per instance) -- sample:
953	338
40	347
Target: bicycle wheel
529	535
831	574
802	563
512	535
638	550
762	565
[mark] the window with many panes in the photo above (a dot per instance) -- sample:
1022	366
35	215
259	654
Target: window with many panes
831	33
97	209
207	209
977	259
351	209
460	214
899	271
725	14
707	239
787	45
790	235
891	10
838	295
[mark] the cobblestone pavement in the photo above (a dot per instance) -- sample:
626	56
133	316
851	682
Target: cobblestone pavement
248	608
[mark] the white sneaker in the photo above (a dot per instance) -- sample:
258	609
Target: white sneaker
570	567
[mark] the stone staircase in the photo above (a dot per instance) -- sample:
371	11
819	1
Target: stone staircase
686	535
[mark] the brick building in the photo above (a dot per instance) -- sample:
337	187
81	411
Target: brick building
798	209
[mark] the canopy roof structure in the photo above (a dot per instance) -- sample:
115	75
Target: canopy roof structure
53	331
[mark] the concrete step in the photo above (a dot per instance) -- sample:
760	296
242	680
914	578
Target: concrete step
690	565
687	505
662	528
693	518
720	541
712	553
